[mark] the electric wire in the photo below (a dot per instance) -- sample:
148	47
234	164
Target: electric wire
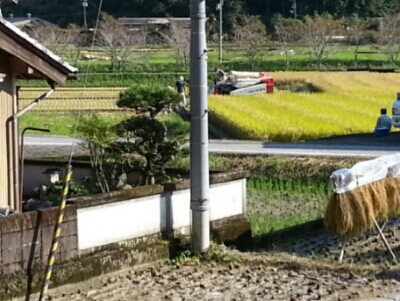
85	81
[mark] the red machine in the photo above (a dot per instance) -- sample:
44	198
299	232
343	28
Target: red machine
245	83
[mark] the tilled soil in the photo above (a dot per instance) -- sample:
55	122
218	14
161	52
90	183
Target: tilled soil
257	280
366	251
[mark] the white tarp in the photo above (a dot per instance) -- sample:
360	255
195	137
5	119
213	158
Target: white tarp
365	172
246	74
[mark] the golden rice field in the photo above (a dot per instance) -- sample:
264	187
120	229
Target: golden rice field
350	103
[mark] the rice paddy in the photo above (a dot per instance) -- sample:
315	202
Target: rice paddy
275	204
349	103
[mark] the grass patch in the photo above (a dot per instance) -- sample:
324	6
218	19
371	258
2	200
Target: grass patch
62	124
177	128
313	169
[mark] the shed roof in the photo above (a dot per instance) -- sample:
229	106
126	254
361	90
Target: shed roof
153	20
21	39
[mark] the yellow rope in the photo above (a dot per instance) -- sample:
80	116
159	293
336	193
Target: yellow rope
57	231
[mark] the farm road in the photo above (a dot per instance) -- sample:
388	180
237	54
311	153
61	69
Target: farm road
345	146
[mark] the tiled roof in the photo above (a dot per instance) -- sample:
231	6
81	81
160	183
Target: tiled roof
36	44
20	22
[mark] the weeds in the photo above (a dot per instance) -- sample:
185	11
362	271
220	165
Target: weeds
215	254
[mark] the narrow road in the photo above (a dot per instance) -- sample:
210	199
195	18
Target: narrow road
254	147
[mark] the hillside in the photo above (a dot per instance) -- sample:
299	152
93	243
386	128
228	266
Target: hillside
63	12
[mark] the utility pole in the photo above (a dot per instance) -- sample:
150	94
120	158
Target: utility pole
219	7
199	169
294	6
85	5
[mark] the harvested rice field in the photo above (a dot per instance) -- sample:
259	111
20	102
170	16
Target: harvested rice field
366	249
72	99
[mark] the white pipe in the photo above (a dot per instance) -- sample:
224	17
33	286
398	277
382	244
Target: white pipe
14	129
15	156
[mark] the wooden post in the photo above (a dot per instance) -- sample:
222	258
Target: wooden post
342	250
384	239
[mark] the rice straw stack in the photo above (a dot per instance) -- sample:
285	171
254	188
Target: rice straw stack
351	213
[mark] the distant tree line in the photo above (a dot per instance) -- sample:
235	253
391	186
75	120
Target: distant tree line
64	12
317	36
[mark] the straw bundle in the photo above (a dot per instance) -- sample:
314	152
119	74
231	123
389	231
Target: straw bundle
353	212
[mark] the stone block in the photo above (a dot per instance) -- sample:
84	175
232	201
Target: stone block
11	248
234	233
29	220
11	252
69	228
11	224
47	233
31	244
67	248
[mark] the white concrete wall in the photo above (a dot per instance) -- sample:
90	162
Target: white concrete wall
110	223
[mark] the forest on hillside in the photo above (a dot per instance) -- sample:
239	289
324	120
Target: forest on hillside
64	12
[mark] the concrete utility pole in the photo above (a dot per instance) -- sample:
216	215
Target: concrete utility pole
294	6
85	5
199	170
219	7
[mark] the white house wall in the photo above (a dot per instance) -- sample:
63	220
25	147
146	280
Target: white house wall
6	111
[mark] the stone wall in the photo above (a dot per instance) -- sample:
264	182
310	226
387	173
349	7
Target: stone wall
25	239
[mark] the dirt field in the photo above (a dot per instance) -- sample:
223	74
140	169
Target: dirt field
253	277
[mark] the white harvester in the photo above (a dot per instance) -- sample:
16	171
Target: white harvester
244	83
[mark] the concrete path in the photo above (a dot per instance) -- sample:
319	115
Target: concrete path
253	147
